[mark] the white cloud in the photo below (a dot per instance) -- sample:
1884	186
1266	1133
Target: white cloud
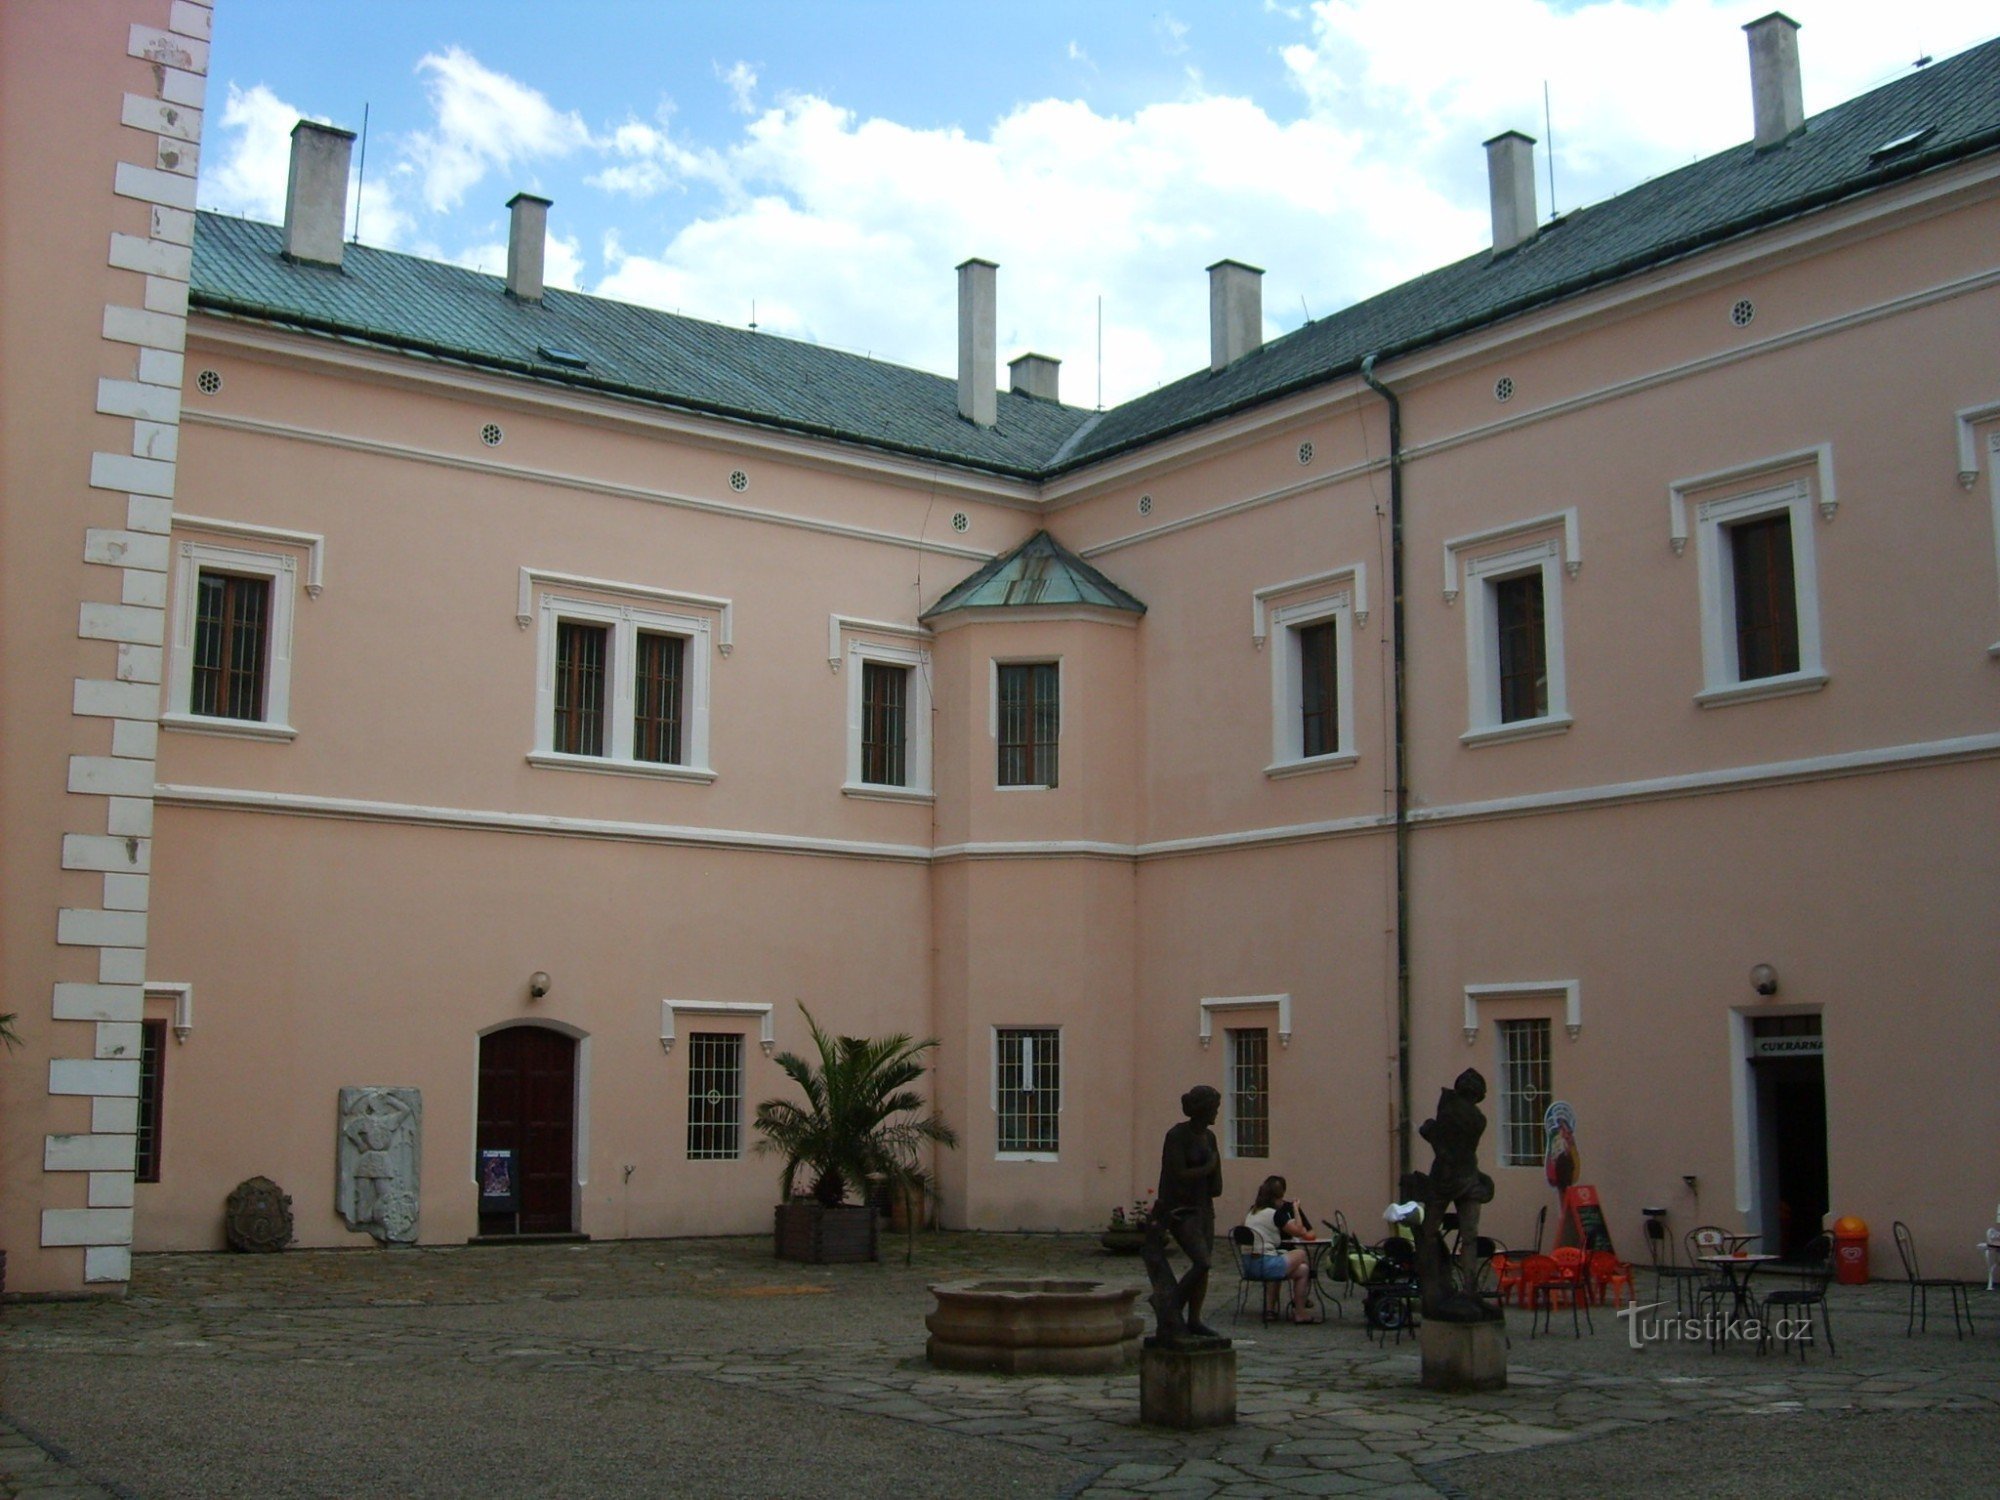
249	159
741	80
1172	32
485	121
1076	54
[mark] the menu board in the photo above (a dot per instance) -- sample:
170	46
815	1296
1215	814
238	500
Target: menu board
1583	1219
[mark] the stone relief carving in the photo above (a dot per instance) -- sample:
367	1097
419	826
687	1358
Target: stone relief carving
381	1132
258	1216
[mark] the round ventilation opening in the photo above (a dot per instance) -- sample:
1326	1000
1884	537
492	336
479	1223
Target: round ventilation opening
1145	505
491	434
1743	312
738	480
960	521
1503	388
208	382
1305	453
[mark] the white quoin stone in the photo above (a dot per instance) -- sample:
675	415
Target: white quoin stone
527	245
316	195
1776	99
978	341
1510	183
1235	312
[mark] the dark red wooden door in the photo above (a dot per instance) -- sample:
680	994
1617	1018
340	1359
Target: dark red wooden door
527	1105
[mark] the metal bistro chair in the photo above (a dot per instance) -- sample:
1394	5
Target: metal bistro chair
1794	1305
1334	1266
1251	1269
1660	1245
1921	1287
1563	1275
1708	1283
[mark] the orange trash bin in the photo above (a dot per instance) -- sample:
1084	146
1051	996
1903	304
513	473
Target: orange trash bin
1850	1251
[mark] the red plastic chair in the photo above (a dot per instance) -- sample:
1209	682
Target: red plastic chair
1567	1280
1507	1278
1611	1279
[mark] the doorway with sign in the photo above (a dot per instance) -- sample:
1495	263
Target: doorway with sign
527	1121
1788	1099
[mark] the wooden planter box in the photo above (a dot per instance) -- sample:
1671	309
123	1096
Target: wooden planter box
808	1230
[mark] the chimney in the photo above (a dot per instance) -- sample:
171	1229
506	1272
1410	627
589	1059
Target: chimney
1775	98
316	196
1235	312
527	239
1035	375
1510	181
978	400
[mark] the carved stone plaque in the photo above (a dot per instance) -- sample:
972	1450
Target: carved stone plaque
258	1216
381	1137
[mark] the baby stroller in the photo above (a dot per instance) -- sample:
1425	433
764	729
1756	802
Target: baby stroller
1389	1303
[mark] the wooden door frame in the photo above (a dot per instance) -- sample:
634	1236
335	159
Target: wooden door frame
579	1176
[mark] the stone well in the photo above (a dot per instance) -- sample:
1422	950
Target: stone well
1034	1327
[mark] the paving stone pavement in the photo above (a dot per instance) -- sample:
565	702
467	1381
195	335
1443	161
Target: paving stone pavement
699	1367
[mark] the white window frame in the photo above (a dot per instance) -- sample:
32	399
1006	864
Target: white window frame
1502	1154
916	722
1721	679
993	1090
1288	757
626	622
281	569
1482	645
1032	659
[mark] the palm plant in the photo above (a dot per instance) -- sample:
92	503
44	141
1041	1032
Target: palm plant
7	1032
860	1119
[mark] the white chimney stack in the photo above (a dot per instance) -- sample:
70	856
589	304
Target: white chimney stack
316	195
1775	96
1035	375
1235	312
1510	181
527	243
978	318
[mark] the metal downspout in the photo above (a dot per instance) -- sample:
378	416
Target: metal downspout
1403	1163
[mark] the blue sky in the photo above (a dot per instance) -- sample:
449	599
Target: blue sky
831	162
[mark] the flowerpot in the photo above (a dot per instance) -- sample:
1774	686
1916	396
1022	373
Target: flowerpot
917	1206
809	1230
1123	1241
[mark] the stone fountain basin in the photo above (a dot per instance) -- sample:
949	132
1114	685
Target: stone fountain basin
1034	1326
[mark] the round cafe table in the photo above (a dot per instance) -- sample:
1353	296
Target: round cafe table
1738	1269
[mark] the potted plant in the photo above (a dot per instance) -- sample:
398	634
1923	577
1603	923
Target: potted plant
1126	1233
860	1120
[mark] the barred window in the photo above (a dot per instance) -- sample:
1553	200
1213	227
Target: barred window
1525	1091
715	1096
656	698
1319	689
1030	714
231	629
884	692
1027	1092
152	1113
1249	1091
1523	648
580	657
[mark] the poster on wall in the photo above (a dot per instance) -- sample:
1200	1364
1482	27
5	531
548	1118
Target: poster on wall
1562	1163
499	1185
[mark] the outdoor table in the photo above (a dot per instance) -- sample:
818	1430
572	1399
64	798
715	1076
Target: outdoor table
1736	1242
1738	1269
1316	1253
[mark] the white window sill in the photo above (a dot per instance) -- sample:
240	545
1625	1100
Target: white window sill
1762	687
236	729
1026	1156
1520	729
869	791
604	765
1035	786
1340	761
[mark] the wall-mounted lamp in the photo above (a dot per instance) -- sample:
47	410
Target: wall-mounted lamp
538	984
1689	1180
1764	979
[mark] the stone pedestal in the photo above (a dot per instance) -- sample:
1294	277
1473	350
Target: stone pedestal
1463	1356
1188	1384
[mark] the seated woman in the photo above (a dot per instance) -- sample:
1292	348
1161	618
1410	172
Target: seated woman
1273	1220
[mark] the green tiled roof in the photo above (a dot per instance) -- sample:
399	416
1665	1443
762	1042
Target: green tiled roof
1039	571
443	311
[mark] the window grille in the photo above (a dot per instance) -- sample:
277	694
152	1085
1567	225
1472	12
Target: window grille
1524	671
1250	1091
1767	618
1524	1091
715	1096
152	1114
579	709
231	628
884	692
656	713
1030	723
1318	690
1028	1089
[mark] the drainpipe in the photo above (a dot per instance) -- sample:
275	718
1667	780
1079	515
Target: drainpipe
1402	778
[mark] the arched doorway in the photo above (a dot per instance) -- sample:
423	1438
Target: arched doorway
527	1105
